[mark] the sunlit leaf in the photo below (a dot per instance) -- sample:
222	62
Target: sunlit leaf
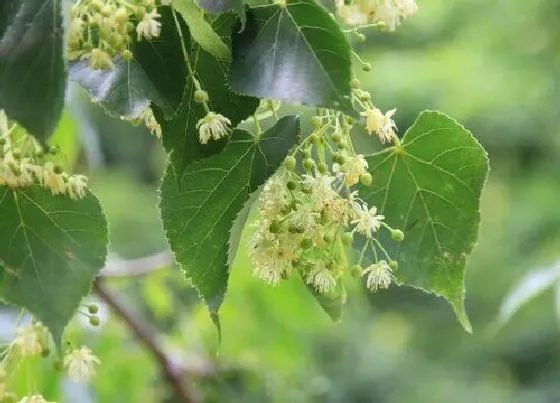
430	186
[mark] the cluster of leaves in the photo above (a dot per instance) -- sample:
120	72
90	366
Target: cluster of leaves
51	248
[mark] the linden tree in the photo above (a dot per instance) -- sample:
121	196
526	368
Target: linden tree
258	108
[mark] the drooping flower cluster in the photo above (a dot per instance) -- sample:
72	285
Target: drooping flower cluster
33	340
390	13
24	163
309	215
100	30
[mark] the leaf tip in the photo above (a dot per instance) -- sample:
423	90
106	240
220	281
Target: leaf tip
458	305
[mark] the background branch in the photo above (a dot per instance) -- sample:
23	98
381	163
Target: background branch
117	267
172	370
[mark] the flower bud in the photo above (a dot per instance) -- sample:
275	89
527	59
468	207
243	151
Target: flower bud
397	235
394	265
366	179
356	270
322	168
355	83
290	163
127	55
200	96
291	185
336	137
366	67
314	138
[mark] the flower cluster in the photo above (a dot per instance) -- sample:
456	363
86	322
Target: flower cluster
33	340
390	13
102	29
23	163
310	213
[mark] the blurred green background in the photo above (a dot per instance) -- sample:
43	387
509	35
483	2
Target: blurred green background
494	66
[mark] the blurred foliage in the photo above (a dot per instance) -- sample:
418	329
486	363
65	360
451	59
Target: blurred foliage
493	66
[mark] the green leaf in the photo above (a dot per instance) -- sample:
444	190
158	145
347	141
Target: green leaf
32	67
430	186
294	52
156	74
200	203
180	135
51	249
201	30
332	302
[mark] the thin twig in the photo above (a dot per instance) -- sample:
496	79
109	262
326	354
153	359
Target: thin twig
116	267
172	372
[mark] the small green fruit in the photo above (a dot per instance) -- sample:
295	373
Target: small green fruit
94	320
93	309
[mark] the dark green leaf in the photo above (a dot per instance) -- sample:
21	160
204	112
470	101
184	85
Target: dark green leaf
32	67
51	249
156	74
430	186
180	135
293	52
200	203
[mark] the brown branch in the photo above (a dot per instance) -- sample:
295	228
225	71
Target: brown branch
137	267
172	372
